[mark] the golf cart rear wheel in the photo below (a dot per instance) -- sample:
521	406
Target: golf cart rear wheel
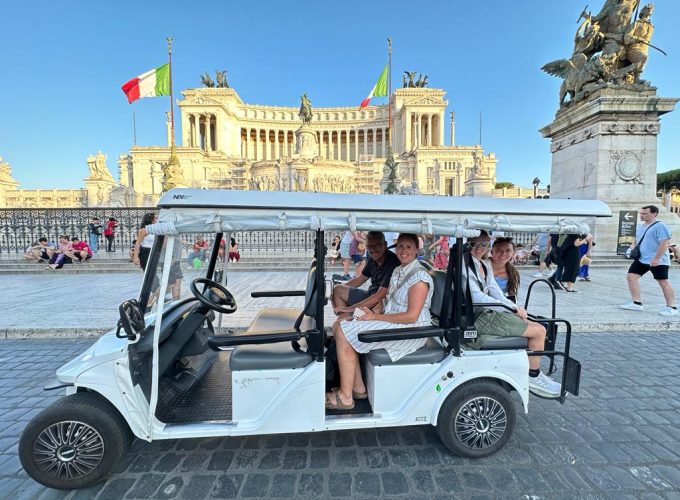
477	419
75	442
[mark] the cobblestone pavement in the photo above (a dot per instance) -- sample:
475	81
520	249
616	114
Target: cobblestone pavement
619	439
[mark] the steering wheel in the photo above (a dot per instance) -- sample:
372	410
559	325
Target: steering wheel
131	320
215	297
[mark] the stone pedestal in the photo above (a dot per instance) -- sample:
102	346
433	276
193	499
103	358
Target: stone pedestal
605	148
478	185
99	192
306	145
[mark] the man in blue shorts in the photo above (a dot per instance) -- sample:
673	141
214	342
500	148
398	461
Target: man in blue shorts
652	238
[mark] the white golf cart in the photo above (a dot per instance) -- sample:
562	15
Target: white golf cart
166	374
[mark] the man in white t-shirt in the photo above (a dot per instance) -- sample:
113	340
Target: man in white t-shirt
653	239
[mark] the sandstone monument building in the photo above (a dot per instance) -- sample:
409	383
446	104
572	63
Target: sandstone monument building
226	143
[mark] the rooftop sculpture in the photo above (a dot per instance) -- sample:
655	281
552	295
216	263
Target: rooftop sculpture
610	50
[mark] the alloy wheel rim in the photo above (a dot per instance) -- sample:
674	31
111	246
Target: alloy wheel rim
480	422
68	449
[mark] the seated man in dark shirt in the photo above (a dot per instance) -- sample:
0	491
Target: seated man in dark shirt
378	269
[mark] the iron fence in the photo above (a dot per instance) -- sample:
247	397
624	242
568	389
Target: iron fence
19	228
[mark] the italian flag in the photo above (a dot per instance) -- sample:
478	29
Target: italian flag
378	90
153	83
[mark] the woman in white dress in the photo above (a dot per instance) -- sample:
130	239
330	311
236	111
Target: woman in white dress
407	305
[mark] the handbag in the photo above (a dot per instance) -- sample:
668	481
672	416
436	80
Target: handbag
635	251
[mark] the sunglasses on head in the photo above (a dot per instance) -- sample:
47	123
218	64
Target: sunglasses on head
481	244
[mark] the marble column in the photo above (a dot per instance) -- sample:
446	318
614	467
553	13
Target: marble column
429	130
336	145
186	130
356	145
277	153
256	155
196	130
409	122
207	133
216	146
346	145
267	145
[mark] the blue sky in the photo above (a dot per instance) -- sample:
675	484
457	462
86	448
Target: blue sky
63	64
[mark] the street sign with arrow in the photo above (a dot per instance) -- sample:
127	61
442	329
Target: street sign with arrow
627	227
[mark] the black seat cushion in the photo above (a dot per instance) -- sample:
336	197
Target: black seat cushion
439	284
279	319
431	352
267	357
500	343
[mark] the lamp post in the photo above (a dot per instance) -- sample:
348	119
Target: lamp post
536	182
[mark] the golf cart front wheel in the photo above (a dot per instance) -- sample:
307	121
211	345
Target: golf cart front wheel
74	443
477	419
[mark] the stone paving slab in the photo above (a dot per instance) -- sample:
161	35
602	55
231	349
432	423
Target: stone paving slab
619	439
59	305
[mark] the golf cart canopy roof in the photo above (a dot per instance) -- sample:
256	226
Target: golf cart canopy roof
205	210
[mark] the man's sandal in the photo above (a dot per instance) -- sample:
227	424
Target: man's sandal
359	395
338	404
355	395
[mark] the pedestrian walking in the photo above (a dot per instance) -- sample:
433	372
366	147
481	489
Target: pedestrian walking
554	257
570	259
110	233
94	229
650	253
144	241
584	250
544	256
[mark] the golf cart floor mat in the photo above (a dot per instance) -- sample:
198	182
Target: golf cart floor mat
361	407
209	398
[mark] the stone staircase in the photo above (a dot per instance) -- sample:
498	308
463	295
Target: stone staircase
119	264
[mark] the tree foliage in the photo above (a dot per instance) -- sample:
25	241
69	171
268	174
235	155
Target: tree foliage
504	184
668	180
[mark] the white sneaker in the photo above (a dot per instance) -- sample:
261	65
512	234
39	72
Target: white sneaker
632	306
668	311
537	275
544	386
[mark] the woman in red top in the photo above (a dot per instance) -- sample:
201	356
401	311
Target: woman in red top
109	233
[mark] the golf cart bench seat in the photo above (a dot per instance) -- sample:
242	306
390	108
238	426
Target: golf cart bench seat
280	355
431	352
271	319
502	343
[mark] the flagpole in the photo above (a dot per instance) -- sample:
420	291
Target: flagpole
172	107
389	91
172	173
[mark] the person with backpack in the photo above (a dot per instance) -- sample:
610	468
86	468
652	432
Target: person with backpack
94	229
650	253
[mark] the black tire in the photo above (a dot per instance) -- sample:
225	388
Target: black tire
75	442
477	419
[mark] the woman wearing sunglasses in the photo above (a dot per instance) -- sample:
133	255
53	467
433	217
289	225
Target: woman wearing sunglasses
498	322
